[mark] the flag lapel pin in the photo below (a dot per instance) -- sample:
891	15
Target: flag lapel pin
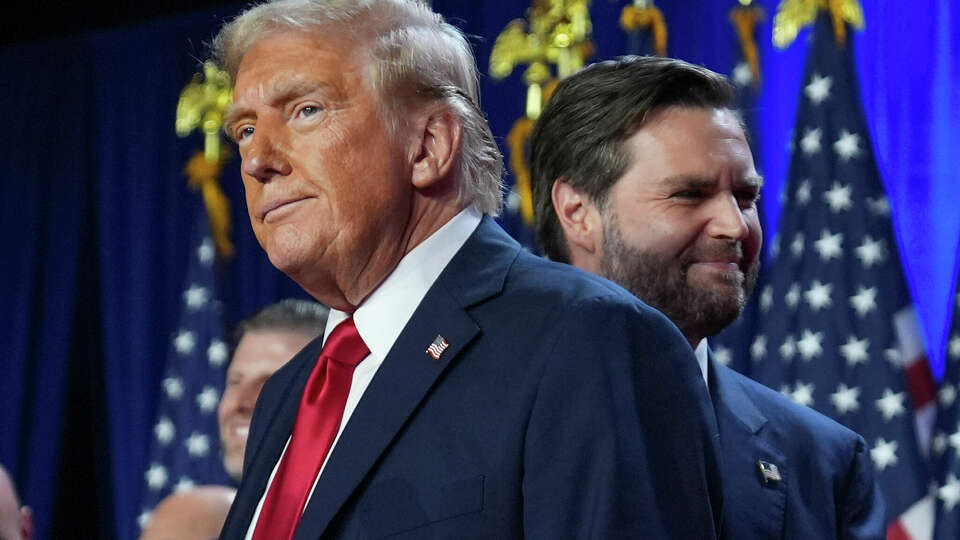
437	347
769	472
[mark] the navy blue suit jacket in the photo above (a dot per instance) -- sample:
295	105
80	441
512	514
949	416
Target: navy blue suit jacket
826	487
563	408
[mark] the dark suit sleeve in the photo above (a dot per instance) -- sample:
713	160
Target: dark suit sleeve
620	442
862	514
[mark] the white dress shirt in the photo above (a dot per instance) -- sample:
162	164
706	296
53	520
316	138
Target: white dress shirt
701	353
382	316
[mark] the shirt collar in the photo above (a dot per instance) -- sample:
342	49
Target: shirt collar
384	313
701	353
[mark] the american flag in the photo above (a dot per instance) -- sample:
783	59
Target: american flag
186	446
836	330
946	440
437	347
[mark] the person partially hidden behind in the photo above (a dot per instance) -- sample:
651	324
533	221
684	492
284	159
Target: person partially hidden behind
463	388
642	174
16	521
261	344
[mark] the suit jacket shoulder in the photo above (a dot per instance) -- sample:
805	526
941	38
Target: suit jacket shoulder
821	484
562	408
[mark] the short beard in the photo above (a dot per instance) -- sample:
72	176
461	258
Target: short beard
662	283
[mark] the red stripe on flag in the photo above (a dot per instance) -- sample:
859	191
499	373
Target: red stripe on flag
920	382
896	532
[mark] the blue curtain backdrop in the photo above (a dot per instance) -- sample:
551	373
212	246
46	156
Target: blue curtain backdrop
96	215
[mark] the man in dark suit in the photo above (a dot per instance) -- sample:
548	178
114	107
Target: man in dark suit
463	388
642	174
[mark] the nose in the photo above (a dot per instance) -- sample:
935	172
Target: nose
264	158
726	218
247	398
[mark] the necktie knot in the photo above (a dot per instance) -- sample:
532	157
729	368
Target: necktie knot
344	345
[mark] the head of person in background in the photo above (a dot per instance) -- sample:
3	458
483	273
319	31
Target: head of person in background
642	174
197	513
261	345
16	520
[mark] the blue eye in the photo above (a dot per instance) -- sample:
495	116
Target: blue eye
309	110
244	132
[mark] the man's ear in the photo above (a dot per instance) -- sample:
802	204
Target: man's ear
439	142
580	220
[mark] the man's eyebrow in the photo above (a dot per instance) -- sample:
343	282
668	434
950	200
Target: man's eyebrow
234	112
282	91
688	181
699	182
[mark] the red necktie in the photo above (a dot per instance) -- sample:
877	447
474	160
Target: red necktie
318	420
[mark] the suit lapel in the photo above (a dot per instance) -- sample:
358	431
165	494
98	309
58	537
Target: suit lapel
408	372
265	446
754	507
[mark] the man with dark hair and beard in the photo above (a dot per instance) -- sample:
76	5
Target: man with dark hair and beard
642	174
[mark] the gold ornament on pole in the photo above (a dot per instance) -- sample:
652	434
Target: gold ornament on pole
643	15
556	32
745	18
793	15
201	106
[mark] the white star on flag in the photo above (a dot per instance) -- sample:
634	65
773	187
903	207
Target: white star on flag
758	349
803	192
164	430
949	492
884	454
810	143
742	75
217	352
173	386
846	399
847	145
838	197
208	399
953	348
891	404
156	476
954	440
818	89
788	348
810	345
879	206
766	298
198	444
871	251
144	518
796	247
723	355
855	351
938	443
864	301
183	484
803	394
793	295
184	342
818	295
828	246
206	252
196	297
947	394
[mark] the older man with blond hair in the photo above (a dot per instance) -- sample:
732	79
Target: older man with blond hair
463	388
